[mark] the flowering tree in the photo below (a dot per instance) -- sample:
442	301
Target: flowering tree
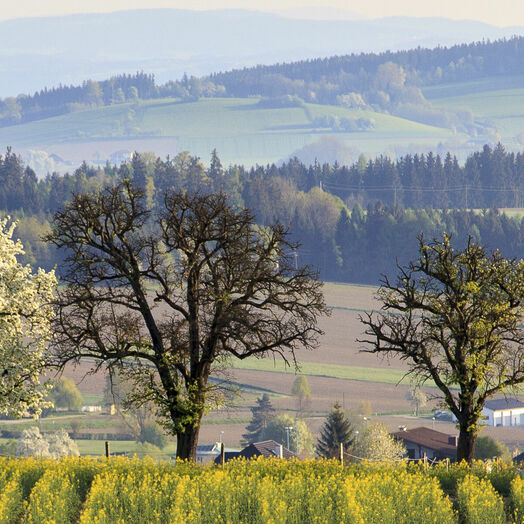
25	315
377	445
33	444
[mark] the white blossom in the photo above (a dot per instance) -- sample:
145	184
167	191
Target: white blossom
33	444
376	444
25	315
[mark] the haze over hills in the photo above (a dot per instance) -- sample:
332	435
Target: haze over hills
45	52
320	13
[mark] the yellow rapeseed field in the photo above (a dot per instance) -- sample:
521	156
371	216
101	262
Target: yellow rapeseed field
121	490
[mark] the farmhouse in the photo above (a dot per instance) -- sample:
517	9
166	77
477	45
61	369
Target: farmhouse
266	448
428	442
503	412
208	453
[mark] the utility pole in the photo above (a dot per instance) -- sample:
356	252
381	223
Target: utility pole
394	196
288	429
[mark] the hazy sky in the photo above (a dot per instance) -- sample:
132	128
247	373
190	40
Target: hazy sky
496	12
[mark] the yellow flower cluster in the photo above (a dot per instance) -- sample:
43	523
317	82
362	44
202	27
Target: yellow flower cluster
517	499
266	491
396	495
478	502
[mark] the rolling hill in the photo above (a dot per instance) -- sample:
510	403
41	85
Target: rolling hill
240	129
495	102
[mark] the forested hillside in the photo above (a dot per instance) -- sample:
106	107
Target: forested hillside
353	222
389	82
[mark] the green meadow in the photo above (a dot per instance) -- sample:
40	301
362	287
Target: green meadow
366	374
240	130
495	102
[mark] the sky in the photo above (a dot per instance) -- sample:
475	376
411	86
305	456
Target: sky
495	12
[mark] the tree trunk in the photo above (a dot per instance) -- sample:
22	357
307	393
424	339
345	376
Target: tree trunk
466	443
186	443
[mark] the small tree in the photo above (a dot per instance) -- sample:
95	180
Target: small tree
376	444
365	409
336	430
61	445
455	317
76	426
132	94
301	391
25	315
139	419
152	433
66	395
261	413
417	399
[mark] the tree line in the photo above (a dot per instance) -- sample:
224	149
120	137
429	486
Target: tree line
387	81
354	71
352	222
66	99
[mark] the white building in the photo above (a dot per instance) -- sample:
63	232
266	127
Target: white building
504	412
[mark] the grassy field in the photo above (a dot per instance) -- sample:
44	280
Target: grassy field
385	376
246	133
497	102
239	129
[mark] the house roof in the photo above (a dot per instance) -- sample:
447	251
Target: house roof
519	458
501	404
208	448
266	448
429	438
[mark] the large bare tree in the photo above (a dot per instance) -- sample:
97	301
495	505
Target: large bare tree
454	315
168	296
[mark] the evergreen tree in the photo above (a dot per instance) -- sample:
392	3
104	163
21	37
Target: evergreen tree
216	172
139	167
262	413
336	430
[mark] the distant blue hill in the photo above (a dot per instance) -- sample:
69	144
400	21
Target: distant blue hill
42	52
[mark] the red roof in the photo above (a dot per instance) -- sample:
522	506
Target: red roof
429	438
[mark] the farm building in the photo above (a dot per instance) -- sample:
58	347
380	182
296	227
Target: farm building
503	412
428	442
208	453
266	448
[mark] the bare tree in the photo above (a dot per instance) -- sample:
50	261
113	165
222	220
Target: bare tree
454	316
167	297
